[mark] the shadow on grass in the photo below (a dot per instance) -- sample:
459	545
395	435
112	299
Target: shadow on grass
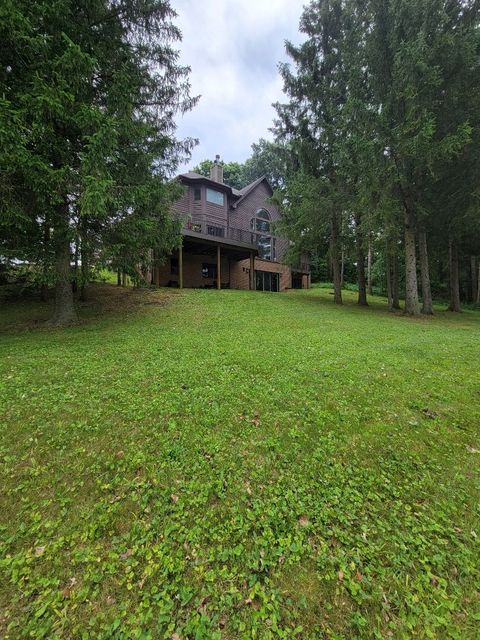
321	296
104	302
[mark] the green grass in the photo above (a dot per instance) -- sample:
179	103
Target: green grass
232	464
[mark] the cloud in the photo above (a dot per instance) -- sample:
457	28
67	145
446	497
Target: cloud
233	48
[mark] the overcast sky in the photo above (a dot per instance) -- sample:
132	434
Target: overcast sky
233	48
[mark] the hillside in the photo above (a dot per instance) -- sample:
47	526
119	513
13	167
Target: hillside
204	464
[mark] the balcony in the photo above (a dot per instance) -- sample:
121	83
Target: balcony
220	233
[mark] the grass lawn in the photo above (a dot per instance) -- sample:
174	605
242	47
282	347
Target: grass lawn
204	464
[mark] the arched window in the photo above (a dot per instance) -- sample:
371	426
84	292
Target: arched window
260	225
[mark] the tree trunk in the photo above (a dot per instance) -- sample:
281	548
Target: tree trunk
337	285
362	286
75	266
388	272
395	282
411	285
119	278
478	284
46	241
473	276
427	307
84	277
64	307
369	269
124	279
454	279
342	268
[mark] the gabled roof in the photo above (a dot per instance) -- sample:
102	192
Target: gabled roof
238	193
243	193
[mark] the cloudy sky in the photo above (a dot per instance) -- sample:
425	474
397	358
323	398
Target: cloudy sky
233	48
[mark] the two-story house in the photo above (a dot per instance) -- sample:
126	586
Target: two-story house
229	238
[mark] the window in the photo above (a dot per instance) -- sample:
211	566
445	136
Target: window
266	281
209	270
260	225
215	231
216	197
266	247
174	266
197	193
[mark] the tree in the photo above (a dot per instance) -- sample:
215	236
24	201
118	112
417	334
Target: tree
411	45
274	160
90	91
312	123
383	113
233	172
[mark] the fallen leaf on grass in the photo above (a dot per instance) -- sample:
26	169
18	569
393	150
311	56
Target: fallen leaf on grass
126	554
39	551
174	498
340	575
472	449
303	521
429	414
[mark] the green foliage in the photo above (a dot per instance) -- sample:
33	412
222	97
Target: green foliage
382	119
269	159
161	477
233	172
89	94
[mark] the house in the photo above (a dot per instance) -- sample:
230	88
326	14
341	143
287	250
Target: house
229	238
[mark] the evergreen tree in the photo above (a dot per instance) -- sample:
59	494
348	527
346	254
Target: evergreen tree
90	90
313	121
383	119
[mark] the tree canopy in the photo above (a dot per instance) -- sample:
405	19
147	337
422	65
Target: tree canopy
383	120
90	90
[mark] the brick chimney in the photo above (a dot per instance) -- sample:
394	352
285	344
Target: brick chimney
216	172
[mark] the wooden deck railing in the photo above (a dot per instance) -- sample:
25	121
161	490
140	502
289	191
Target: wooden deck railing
220	231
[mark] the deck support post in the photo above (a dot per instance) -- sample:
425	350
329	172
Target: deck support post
252	271
180	267
219	275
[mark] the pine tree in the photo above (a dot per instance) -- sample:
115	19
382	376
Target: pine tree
312	121
90	90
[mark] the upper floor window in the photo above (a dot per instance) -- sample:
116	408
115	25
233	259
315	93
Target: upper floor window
261	226
216	197
261	221
197	193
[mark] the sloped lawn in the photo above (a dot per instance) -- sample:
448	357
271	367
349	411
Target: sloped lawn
206	464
